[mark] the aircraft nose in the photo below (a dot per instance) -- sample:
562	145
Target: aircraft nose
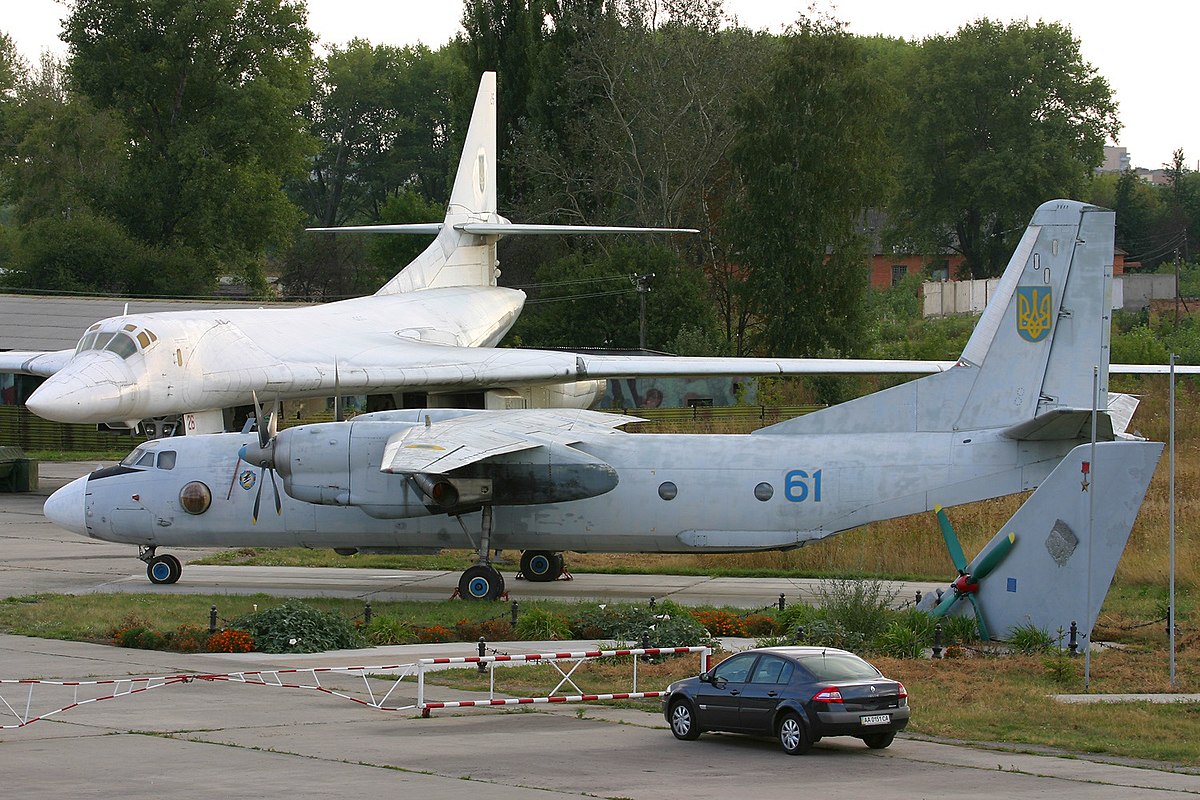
89	389
66	507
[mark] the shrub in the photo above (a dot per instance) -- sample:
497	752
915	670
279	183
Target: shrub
667	625
230	640
298	628
761	625
1029	639
385	629
901	641
959	630
141	638
859	610
795	616
720	622
188	639
539	624
432	634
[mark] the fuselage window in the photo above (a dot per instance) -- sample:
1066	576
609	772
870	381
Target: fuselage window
143	340
166	459
122	345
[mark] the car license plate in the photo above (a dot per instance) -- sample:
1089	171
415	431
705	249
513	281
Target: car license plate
877	719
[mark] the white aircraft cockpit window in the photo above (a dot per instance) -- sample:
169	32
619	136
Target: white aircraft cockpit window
146	461
166	459
122	345
134	457
143	339
86	342
102	340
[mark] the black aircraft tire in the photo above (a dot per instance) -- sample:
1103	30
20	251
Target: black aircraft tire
481	582
164	569
540	566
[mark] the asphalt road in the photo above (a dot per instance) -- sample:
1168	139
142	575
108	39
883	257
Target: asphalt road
221	739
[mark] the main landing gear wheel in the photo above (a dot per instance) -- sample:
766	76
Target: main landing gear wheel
481	582
541	565
164	569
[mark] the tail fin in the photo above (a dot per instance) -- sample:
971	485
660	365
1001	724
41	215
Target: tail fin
1028	366
1043	579
464	252
456	258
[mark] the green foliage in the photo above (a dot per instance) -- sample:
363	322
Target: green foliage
295	627
666	625
855	607
959	630
1029	639
790	221
540	624
999	119
386	629
901	641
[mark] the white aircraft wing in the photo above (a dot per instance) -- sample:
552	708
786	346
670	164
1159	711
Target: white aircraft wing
34	363
440	447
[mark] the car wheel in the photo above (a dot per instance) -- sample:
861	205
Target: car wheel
683	721
878	741
794	736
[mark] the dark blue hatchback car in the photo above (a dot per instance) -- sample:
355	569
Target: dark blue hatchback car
797	694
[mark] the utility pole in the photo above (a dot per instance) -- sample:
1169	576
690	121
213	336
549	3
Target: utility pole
643	287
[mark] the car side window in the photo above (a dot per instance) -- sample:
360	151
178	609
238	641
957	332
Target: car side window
772	669
735	669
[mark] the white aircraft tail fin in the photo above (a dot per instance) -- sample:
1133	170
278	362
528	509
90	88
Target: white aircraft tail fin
1042	579
1028	366
464	252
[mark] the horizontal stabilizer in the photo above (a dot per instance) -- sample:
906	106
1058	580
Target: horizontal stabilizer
427	228
1062	423
496	229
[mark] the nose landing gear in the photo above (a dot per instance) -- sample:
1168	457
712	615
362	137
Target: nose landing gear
160	569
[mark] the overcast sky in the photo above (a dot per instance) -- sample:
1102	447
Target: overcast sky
1140	47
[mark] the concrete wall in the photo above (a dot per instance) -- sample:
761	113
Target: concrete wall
946	298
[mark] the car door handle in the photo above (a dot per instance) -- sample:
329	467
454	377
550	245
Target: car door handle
734	692
772	694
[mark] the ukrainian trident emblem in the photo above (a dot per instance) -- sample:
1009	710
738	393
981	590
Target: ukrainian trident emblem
1033	312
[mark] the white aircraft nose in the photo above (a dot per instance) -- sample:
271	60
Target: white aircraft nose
65	508
92	388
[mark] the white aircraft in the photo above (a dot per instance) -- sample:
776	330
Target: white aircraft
1012	414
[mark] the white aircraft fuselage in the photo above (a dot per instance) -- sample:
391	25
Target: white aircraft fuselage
174	362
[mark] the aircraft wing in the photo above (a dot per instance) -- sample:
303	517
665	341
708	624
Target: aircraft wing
44	363
440	447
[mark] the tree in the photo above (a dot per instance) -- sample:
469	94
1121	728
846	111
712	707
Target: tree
208	91
1000	120
806	161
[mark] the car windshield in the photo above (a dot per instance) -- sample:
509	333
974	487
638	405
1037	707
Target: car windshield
839	667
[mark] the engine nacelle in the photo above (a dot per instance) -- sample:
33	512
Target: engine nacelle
339	464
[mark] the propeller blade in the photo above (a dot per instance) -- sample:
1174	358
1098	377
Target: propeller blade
263	433
956	551
258	496
273	424
992	558
278	502
983	628
943	608
233	477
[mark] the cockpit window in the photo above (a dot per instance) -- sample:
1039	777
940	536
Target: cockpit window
86	343
132	458
102	340
146	460
166	459
122	345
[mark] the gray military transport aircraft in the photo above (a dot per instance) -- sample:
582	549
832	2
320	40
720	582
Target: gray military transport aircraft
1013	414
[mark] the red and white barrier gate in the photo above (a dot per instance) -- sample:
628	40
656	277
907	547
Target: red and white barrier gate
578	657
18	708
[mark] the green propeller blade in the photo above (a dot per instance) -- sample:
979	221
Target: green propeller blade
956	551
992	558
943	608
983	628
